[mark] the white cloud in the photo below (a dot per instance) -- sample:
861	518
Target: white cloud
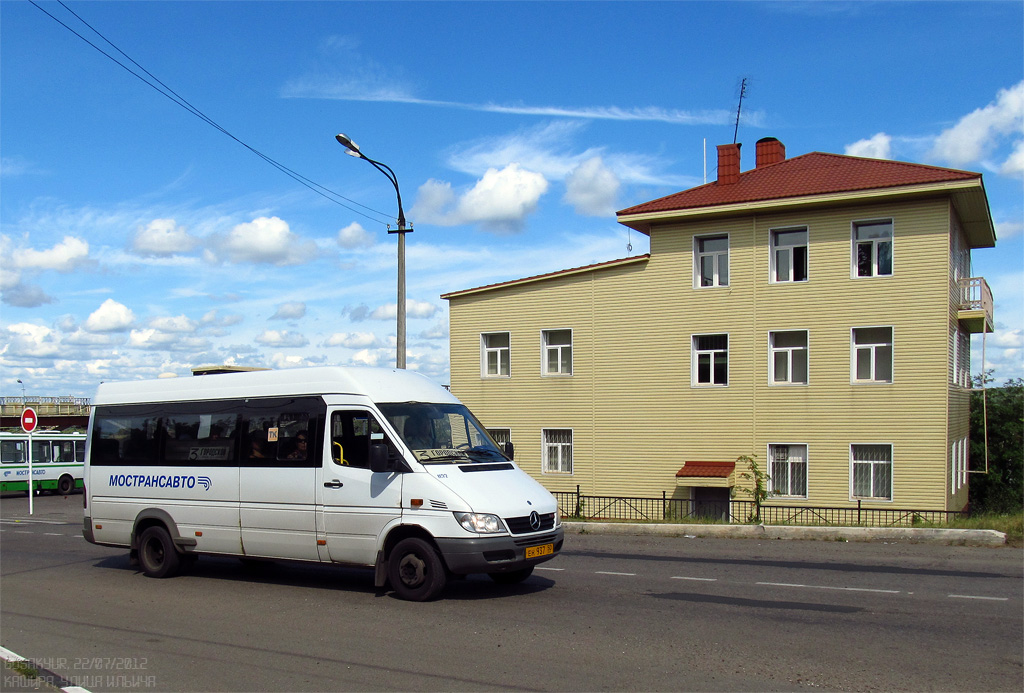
283	361
499	201
179	324
292	310
63	257
162	237
26	296
355	236
281	339
214	318
592	188
413	309
1008	228
978	134
352	340
111	316
267	240
876	147
26	340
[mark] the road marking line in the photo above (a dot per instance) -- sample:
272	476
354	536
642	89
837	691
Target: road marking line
970	596
604	572
52	534
553	569
678	577
829	587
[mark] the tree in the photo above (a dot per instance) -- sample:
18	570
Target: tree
1002	489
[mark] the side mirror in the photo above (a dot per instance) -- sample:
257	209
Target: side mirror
509	450
379	458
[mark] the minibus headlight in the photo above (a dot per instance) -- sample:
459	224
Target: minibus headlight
558	518
479	523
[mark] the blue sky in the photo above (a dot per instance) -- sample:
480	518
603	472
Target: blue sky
139	241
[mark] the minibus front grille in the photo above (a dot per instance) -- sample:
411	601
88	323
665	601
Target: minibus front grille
522	525
535	541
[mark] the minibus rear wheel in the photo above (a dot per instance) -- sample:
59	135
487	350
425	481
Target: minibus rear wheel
415	570
157	554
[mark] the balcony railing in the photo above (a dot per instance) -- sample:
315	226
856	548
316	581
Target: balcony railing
976	309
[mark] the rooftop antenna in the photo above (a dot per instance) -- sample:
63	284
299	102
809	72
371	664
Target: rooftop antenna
739	107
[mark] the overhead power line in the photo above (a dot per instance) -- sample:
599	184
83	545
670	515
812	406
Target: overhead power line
154	82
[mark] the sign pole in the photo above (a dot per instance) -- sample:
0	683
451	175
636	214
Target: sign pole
29	421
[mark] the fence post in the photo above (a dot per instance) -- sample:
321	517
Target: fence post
664	506
858	511
579	503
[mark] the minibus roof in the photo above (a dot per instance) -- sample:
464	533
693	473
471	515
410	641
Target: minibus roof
379	384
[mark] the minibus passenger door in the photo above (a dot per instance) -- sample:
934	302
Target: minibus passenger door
357	502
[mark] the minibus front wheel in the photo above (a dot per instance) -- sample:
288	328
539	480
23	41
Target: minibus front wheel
416	571
157	554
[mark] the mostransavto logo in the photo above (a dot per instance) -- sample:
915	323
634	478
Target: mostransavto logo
160	481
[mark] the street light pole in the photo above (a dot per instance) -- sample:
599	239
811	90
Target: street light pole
353	150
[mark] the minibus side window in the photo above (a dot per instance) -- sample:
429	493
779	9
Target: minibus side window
200	438
352	433
124	439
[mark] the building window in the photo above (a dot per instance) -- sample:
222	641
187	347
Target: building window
711	264
494	355
500	435
872	248
710	360
789	255
788	357
962	358
557	350
958	458
872	354
557	450
872	471
788	472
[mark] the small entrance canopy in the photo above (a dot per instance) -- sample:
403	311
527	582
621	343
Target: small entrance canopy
714	474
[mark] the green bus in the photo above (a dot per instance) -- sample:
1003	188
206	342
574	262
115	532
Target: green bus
57	461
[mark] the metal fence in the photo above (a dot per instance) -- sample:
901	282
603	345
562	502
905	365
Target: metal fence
576	505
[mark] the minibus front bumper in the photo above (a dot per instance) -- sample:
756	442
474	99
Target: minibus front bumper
500	554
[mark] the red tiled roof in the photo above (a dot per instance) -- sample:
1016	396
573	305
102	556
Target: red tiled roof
707	469
816	173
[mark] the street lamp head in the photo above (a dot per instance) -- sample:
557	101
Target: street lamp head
346	142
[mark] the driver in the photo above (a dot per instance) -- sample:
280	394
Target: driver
419	433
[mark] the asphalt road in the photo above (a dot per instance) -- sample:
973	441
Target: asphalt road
610	613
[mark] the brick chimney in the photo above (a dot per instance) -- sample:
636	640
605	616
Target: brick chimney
770	151
728	164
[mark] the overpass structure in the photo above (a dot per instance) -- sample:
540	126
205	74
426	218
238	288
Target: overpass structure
55	413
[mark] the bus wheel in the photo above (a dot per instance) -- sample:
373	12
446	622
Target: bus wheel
415	570
157	554
66	485
512	577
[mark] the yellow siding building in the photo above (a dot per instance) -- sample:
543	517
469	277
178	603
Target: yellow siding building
814	312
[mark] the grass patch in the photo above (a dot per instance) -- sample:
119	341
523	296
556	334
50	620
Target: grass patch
1010	524
23	668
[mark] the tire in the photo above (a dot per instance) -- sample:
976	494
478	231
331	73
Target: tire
157	555
513	577
415	570
65	485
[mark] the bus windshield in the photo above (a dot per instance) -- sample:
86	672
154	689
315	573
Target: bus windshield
441	433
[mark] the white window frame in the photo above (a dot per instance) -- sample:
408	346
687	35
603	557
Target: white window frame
873	350
789	353
558	449
696	355
872	464
788	249
875	243
486	351
959	461
546	348
962	358
772	447
716	259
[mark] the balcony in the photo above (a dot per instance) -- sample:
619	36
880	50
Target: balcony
975	311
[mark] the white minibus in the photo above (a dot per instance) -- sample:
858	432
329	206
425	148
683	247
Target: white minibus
358	466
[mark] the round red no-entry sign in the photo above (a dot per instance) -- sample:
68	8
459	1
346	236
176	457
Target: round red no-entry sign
29	420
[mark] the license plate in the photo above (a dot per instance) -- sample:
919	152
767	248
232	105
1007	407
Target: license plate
538	551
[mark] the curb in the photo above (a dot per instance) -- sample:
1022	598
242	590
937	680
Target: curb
42	677
949	537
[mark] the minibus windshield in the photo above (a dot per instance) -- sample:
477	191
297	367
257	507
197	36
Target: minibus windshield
441	433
